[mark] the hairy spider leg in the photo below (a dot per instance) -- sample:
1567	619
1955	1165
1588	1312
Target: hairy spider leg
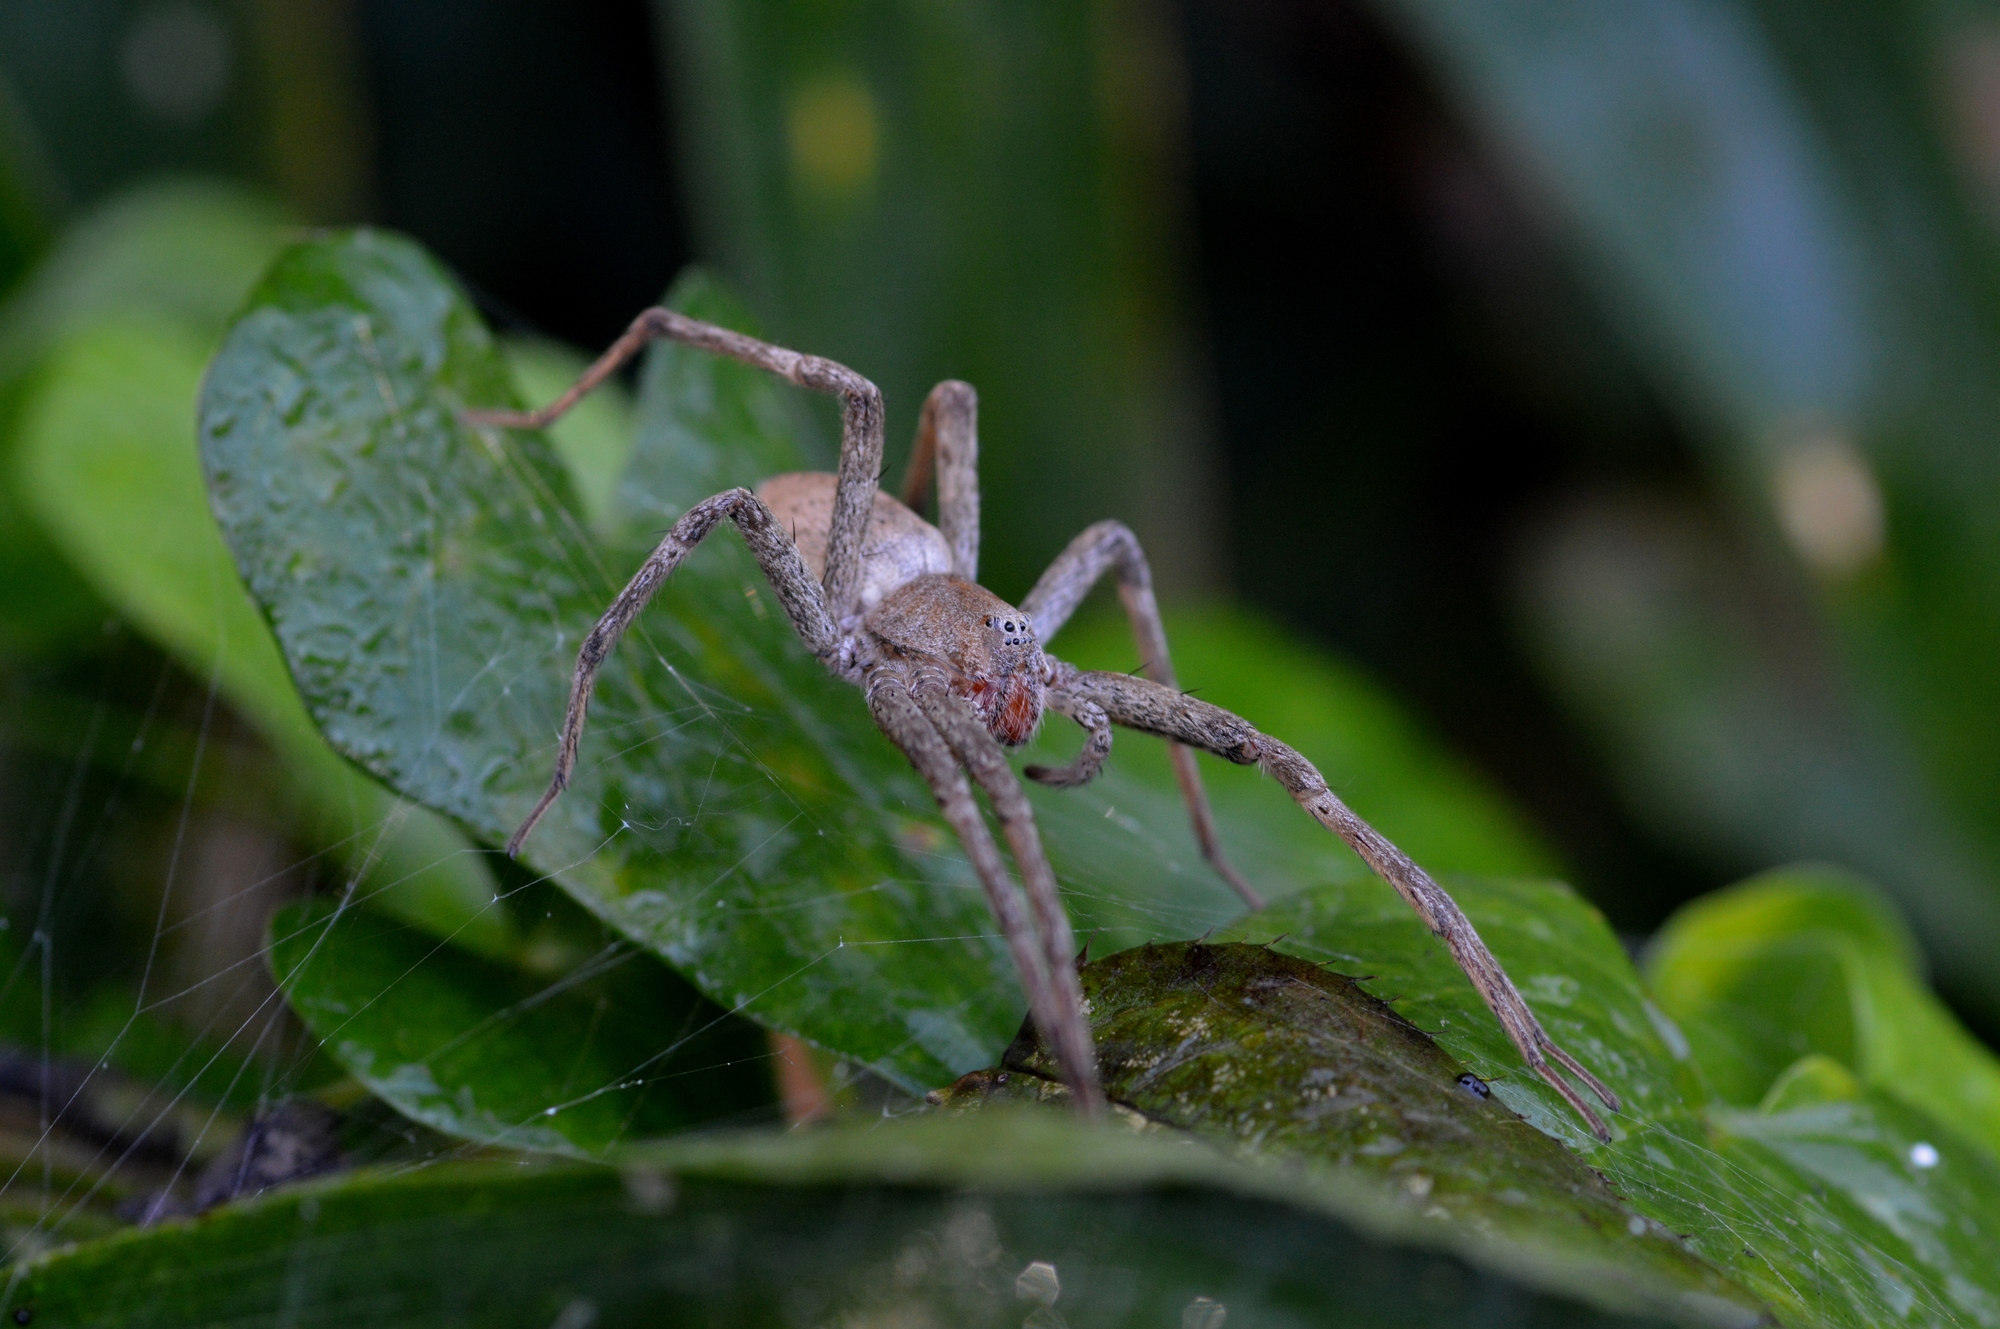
948	443
981	754
1057	1007
860	424
775	554
1096	727
1110	546
1147	706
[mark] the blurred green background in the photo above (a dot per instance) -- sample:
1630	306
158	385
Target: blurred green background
1615	384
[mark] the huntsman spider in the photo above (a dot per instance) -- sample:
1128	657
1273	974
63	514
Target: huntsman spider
954	676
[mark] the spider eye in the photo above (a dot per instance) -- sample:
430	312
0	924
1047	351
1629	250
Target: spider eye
1009	625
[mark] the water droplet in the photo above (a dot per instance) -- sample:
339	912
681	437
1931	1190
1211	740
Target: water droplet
1923	1155
1201	1313
1636	1226
1038	1283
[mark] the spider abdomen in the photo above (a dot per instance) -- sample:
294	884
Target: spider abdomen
899	547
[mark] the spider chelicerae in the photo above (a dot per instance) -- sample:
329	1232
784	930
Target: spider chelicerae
954	675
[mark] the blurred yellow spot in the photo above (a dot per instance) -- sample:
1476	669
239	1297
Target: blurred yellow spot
831	127
1829	505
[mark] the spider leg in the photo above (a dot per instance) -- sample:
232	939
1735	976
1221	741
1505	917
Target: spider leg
948	441
860	423
1058	1013
1144	705
980	752
782	565
1096	744
1110	546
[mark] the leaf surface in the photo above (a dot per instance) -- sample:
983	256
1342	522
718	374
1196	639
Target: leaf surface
1841	1222
615	1050
932	1221
1808	962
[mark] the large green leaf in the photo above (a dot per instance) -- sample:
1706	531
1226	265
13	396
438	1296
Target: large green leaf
1813	962
929	1222
1857	1213
733	809
615	1050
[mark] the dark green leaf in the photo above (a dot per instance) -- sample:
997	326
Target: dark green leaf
618	1049
1276	1056
931	1222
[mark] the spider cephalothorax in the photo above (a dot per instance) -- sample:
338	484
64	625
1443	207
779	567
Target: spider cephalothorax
953	674
983	646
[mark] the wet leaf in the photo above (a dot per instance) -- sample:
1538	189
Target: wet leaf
733	809
1831	1243
926	1222
1813	961
615	1050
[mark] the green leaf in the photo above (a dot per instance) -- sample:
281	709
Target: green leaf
178	251
733	809
108	465
1427	802
925	1222
1277	1057
1808	961
1845	1226
616	1050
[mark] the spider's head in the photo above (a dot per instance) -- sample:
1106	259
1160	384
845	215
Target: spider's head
987	646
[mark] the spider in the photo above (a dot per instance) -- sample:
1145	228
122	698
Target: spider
954	676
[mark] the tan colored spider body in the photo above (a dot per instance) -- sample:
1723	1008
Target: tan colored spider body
916	611
898	548
953	675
